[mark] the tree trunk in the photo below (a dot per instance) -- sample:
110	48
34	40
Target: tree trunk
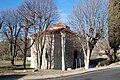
41	58
12	60
107	52
87	59
24	57
87	54
24	61
111	55
41	49
11	54
114	55
38	48
44	59
25	47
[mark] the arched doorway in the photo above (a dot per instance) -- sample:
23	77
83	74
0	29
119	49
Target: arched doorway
77	60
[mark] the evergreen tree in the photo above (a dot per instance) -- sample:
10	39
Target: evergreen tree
114	25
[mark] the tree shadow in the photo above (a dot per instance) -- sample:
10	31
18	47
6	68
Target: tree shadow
20	67
11	77
24	68
94	62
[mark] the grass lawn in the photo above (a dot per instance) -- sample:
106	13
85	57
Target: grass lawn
6	67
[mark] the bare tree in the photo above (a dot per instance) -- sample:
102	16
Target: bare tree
11	28
1	20
1	23
105	46
47	14
37	16
4	50
89	19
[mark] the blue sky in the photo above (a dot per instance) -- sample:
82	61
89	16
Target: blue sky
9	4
64	6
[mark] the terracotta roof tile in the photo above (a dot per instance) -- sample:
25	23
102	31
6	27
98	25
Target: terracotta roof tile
61	28
59	25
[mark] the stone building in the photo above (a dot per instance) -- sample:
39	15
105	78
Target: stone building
62	49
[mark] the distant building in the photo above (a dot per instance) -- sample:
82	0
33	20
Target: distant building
62	49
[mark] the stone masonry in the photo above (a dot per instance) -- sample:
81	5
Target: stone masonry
62	49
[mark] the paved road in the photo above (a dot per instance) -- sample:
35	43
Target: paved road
109	74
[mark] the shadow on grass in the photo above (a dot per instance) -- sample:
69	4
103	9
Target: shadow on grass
6	69
11	69
23	68
20	67
11	77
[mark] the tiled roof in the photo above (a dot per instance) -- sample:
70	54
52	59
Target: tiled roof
60	30
59	25
57	28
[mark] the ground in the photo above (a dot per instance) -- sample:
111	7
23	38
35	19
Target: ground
106	74
8	72
111	72
7	69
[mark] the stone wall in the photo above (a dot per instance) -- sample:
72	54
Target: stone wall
57	52
53	52
72	44
69	52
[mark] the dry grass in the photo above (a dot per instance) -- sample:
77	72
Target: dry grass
48	72
6	67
